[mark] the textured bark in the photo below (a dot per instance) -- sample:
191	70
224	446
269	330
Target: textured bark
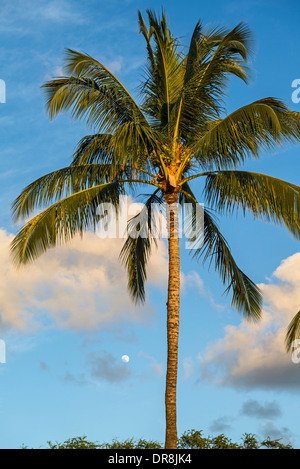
172	331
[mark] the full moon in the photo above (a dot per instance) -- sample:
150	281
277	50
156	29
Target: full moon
125	358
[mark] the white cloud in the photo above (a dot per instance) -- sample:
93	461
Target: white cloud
193	280
221	425
253	355
80	285
187	368
156	367
57	11
115	65
254	408
106	367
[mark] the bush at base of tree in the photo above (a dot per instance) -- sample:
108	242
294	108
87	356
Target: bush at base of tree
192	439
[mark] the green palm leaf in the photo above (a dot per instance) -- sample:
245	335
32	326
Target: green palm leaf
60	222
63	182
213	56
137	249
86	72
265	197
163	75
229	141
101	148
293	332
246	296
94	148
93	93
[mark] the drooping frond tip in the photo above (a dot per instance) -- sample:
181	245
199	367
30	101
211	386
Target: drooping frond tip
246	296
293	333
137	248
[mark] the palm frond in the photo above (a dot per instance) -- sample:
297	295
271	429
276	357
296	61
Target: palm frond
100	107
228	142
103	149
94	148
94	94
147	35
214	55
84	67
246	296
137	248
265	197
259	126
293	332
60	222
163	74
66	181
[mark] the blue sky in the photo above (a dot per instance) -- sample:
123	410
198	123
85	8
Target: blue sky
67	320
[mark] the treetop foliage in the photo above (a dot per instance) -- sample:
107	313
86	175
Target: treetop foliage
191	439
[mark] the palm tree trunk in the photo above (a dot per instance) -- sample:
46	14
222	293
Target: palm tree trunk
172	331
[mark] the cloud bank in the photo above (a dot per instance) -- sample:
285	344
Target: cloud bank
78	286
253	356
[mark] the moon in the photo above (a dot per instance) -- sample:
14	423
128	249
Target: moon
125	358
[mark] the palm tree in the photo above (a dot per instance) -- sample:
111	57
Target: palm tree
178	133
